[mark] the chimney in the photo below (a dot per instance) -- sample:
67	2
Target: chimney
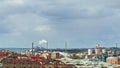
32	47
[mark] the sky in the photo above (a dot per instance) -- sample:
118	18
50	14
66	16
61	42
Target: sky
80	23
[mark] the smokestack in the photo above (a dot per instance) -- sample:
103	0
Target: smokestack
47	45
116	50
32	47
66	51
116	45
65	46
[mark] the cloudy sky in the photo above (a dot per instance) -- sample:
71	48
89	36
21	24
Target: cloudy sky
80	23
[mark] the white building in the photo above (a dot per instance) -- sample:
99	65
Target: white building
103	50
90	51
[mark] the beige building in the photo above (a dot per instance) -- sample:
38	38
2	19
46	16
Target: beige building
98	51
113	60
54	55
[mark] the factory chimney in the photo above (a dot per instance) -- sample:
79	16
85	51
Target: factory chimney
47	45
32	47
65	46
65	53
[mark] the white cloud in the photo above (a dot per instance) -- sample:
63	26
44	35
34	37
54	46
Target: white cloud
42	42
43	28
70	20
20	24
14	33
15	2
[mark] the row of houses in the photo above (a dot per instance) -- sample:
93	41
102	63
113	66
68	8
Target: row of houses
33	61
26	63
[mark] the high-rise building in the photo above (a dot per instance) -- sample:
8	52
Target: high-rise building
97	46
98	51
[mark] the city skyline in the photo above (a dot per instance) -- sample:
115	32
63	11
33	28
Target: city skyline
80	23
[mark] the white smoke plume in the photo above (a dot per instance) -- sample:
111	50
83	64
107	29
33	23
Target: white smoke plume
42	42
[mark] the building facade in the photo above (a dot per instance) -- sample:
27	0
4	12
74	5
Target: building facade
90	51
113	60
